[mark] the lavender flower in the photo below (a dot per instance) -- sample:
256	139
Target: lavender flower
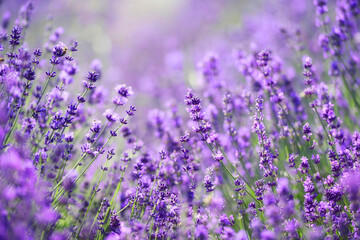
76	164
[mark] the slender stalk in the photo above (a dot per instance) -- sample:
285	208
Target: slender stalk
152	188
46	84
13	125
87	166
92	199
134	204
113	199
121	210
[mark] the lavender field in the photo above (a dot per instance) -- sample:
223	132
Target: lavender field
180	119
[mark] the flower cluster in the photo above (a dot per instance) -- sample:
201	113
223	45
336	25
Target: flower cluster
265	143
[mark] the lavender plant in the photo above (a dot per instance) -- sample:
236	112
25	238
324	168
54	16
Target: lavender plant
268	147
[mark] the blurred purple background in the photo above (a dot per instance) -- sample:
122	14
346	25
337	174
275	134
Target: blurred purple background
154	45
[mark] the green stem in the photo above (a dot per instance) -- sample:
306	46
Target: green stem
92	199
46	84
152	188
87	167
135	201
13	126
113	199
